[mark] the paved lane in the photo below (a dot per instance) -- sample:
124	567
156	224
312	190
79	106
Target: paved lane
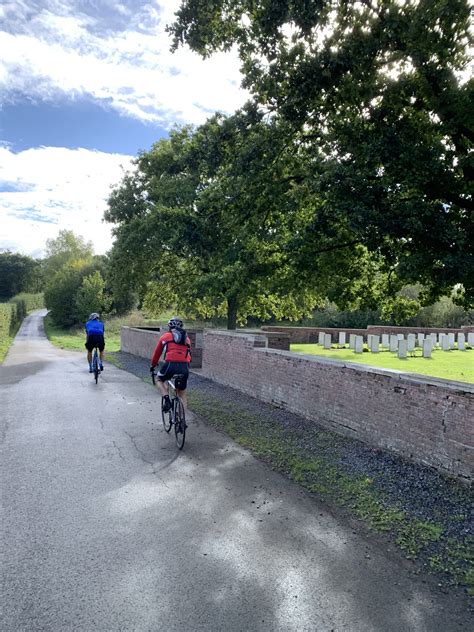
106	527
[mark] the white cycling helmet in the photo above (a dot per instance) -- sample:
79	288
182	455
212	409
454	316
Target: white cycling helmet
94	316
175	322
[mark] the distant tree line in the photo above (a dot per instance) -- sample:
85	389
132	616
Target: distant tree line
72	278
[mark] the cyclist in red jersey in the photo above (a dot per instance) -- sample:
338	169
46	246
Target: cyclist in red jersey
177	355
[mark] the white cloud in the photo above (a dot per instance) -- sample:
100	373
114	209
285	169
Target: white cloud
68	53
47	189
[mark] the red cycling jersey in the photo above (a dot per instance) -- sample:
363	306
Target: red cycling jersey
173	352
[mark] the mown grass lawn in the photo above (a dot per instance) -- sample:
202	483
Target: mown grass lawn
449	365
74	339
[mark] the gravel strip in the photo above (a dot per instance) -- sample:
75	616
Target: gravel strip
424	496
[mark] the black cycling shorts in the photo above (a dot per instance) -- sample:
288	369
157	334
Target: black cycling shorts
166	370
95	340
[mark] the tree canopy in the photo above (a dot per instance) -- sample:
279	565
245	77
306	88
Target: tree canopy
374	95
18	273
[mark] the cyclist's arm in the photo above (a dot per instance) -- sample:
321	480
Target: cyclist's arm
157	353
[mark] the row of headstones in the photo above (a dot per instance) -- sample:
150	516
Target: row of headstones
397	342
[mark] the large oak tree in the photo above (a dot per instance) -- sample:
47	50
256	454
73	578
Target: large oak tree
377	95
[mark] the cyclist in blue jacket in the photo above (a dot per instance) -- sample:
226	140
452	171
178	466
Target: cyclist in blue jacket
95	338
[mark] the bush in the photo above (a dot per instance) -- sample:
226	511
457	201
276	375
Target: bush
32	301
91	297
11	315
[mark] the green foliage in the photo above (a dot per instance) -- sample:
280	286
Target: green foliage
7	318
18	273
378	116
399	309
61	291
91	297
65	249
211	221
31	301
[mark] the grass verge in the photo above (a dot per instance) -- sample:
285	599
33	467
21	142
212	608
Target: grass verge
321	473
74	339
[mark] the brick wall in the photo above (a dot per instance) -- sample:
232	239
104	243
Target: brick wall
427	420
141	341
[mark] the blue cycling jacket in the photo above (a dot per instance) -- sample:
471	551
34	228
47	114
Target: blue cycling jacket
95	327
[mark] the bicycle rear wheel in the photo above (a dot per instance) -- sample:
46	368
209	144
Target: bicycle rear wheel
167	417
179	423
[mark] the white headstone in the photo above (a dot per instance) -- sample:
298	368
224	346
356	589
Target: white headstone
352	341
327	341
321	338
427	347
385	341
411	339
359	344
374	343
470	338
400	336
461	342
451	340
342	338
434	339
402	348
393	343
445	344
420	338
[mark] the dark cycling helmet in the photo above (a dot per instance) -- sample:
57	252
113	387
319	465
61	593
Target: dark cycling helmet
175	322
94	316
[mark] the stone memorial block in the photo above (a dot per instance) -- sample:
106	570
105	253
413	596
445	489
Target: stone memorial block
385	341
445	344
420	338
411	340
402	348
393	343
427	347
434	339
352	341
374	343
342	338
327	341
451	340
470	338
400	336
321	338
359	344
461	342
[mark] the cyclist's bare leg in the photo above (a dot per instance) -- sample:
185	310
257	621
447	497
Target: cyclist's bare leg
183	396
89	357
162	387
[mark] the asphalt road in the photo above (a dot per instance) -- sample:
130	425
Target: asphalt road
107	527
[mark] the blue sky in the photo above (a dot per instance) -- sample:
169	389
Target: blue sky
85	85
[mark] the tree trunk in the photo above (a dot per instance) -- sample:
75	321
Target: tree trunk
232	312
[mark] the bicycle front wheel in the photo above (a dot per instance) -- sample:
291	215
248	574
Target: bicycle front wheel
167	416
179	423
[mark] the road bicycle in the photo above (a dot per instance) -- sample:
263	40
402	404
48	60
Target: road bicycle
95	365
175	416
